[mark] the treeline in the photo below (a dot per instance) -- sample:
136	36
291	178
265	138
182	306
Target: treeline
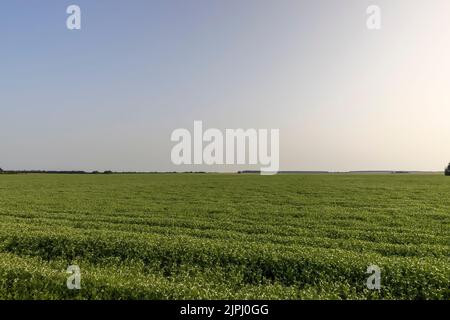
89	172
51	172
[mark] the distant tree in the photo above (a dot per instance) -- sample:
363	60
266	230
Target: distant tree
1	170
108	172
447	171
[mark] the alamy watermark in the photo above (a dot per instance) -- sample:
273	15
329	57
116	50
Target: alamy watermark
374	17
73	22
234	147
374	280
74	280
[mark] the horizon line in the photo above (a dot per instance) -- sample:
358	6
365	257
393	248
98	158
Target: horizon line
30	171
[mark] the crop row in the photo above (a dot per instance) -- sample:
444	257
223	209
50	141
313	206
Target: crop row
257	263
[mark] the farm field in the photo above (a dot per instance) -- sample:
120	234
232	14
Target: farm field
224	236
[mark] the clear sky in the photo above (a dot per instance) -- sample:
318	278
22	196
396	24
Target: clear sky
109	96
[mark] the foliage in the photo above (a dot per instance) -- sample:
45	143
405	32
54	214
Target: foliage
187	236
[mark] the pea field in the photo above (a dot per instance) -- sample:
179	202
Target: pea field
224	236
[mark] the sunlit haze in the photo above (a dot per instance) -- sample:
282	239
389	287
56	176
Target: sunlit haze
109	96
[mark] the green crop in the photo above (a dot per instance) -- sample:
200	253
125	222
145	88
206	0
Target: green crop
224	236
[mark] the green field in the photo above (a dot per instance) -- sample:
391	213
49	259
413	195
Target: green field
224	236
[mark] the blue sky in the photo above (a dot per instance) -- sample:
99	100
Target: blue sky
109	96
